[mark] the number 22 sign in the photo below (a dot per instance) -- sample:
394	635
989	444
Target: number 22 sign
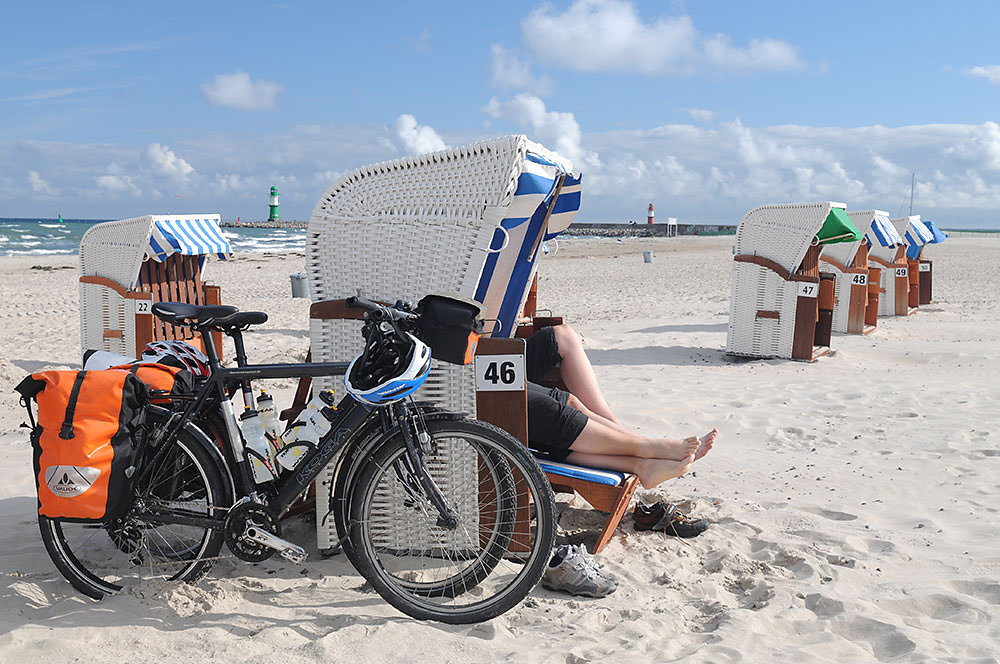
499	372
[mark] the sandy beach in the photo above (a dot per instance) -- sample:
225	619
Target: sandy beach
853	501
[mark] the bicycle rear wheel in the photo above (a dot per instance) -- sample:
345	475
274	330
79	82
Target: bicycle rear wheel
149	542
471	573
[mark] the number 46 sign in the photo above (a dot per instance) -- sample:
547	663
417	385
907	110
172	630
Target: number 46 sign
499	372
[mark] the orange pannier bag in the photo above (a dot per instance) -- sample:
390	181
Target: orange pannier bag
164	381
86	442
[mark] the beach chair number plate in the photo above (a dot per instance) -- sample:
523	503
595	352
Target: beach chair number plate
859	279
143	306
499	373
807	289
901	272
925	267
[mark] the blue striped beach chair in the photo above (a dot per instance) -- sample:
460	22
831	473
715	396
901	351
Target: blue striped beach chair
127	265
915	236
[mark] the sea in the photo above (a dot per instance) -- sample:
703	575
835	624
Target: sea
37	237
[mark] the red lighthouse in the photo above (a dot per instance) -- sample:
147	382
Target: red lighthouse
649	219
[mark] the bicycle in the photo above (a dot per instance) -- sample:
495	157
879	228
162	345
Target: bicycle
447	518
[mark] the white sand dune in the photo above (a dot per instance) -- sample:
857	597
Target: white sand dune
853	501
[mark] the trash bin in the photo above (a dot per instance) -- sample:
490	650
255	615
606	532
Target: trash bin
300	286
647	257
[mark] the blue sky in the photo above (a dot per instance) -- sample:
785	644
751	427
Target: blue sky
109	110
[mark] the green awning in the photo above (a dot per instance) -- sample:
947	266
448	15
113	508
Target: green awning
838	228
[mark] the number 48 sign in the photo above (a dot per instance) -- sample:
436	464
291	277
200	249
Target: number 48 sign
499	372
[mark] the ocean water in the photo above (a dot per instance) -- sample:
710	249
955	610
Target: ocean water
27	237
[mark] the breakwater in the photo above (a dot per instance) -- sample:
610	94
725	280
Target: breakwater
297	225
646	230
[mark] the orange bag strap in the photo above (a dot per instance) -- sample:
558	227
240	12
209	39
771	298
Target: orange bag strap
66	432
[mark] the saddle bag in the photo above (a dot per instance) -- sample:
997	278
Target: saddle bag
86	442
165	382
451	325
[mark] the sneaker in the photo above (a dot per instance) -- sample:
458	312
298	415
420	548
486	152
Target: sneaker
574	571
667	519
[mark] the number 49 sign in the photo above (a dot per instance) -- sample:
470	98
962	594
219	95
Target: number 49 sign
499	372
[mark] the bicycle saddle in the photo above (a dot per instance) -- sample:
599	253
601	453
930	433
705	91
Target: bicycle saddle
241	319
181	313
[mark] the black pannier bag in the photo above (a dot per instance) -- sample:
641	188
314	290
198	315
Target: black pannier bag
451	325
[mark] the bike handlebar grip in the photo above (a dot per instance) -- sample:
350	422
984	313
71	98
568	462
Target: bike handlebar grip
362	303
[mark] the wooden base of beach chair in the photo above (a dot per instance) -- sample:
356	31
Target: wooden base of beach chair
925	270
611	499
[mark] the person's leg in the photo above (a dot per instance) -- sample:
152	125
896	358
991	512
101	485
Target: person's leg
578	374
651	472
600	438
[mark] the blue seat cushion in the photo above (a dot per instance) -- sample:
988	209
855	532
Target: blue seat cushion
606	477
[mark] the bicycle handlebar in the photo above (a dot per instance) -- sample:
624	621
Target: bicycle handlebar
391	311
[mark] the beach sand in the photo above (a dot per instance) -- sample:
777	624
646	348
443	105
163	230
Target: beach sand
853	501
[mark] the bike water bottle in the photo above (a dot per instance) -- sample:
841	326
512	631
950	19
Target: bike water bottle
312	424
257	449
269	420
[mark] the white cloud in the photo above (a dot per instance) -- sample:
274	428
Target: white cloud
422	43
118	184
555	130
609	35
238	91
702	115
163	161
991	73
40	186
416	138
510	72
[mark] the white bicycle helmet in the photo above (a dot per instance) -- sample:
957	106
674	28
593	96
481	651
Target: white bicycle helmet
391	368
177	354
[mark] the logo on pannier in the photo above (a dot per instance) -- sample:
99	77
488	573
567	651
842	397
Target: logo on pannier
70	481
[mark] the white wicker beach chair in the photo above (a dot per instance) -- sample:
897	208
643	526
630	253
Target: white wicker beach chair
776	282
915	235
468	220
886	253
126	266
848	262
925	266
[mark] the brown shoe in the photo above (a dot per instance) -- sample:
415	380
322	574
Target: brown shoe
667	519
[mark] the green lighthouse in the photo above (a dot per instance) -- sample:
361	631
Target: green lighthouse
274	204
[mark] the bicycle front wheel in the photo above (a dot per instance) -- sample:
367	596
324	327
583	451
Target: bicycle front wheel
481	568
163	536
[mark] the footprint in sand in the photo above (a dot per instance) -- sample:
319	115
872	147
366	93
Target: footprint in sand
886	641
833	515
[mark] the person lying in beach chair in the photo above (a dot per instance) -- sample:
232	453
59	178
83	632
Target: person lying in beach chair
578	426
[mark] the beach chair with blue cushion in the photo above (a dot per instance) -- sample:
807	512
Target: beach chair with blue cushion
126	266
926	266
781	305
915	236
469	220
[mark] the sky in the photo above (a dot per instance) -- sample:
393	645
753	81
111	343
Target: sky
706	108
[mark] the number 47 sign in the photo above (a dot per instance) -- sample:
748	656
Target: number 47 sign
499	372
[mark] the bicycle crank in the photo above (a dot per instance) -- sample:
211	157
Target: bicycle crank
252	534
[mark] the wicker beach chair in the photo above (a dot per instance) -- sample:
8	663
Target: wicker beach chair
925	265
127	265
916	234
887	254
468	220
848	262
780	305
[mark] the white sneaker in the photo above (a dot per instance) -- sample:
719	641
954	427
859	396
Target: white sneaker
576	572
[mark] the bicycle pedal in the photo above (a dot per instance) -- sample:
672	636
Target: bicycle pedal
291	552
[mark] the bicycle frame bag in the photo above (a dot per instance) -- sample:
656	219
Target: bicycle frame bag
86	442
165	382
451	326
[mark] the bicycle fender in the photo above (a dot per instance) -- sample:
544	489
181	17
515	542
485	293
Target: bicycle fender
212	449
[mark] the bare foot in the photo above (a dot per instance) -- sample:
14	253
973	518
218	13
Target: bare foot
705	443
653	472
675	450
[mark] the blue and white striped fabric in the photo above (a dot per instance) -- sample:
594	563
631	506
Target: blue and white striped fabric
507	274
189	236
606	477
939	235
917	235
882	233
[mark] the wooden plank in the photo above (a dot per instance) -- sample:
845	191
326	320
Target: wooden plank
914	276
806	313
926	277
874	288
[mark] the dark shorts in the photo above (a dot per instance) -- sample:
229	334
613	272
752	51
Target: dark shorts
553	424
541	354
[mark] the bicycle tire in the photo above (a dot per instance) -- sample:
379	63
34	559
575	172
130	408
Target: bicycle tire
100	559
482	568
